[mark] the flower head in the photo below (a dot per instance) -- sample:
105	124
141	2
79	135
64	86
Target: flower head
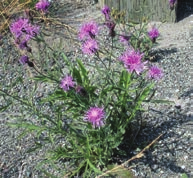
80	90
132	61
172	2
88	30
153	34
42	5
90	47
95	116
23	44
67	82
18	26
24	60
106	11
23	29
155	73
31	31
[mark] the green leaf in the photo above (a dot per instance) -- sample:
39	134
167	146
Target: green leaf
42	79
18	80
21	135
184	175
39	39
145	93
3	108
92	89
160	101
122	130
67	62
121	172
34	148
84	72
28	126
77	76
93	167
57	95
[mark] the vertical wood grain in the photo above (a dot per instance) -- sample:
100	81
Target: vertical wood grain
156	10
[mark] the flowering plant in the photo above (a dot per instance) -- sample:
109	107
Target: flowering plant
89	106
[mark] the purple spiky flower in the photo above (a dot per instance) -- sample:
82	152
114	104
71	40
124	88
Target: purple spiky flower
67	83
155	73
22	29
95	115
90	47
42	5
106	11
78	89
132	61
172	2
153	34
18	26
31	31
88	30
24	60
23	44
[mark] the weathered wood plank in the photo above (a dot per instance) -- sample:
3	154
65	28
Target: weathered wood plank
156	10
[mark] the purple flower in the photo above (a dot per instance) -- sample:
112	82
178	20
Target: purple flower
124	39
42	5
31	31
23	44
153	34
18	26
172	2
95	116
23	29
132	61
78	89
88	30
106	11
24	60
90	47
155	73
67	82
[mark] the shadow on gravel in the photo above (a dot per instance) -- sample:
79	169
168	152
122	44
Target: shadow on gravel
159	54
165	154
184	9
187	93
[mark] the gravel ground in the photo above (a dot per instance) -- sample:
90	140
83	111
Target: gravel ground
172	155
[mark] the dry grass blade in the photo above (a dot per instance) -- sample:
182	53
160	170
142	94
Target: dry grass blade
139	155
8	9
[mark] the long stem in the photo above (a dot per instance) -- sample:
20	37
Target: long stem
14	97
45	75
25	103
97	54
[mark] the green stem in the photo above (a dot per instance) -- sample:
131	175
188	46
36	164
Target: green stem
27	104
